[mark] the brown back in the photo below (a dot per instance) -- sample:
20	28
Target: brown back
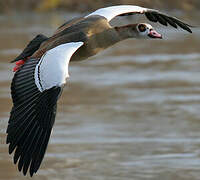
79	29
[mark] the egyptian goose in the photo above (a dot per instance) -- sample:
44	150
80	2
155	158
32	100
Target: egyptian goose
42	68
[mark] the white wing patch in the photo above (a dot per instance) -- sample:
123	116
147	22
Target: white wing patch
52	69
110	12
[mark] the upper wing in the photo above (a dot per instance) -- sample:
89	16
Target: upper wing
153	15
35	89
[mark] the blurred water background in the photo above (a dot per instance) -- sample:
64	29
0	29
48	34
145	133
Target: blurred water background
131	112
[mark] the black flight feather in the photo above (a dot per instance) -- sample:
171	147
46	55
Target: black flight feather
31	119
164	19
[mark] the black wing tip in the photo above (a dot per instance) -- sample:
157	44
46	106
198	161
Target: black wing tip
193	26
31	173
164	19
190	31
10	150
30	159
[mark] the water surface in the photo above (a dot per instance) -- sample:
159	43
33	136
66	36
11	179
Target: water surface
131	112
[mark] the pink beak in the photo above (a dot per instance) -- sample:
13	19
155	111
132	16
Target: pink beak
154	34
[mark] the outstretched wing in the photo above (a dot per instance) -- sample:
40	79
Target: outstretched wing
153	15
35	89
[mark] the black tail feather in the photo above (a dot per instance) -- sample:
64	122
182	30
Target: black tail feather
31	47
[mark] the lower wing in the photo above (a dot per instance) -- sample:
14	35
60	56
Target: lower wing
35	89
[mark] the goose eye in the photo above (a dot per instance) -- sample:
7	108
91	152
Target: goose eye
142	28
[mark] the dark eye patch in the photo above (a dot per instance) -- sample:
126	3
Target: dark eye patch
142	28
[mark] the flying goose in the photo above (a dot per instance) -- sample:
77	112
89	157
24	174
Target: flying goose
42	69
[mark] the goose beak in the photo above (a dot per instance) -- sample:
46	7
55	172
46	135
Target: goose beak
154	34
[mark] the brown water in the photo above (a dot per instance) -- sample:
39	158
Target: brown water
132	112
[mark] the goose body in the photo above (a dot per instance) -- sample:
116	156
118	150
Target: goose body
42	68
94	31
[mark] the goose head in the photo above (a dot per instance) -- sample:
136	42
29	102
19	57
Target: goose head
146	31
139	31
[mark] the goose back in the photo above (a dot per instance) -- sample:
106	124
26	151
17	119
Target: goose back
93	31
